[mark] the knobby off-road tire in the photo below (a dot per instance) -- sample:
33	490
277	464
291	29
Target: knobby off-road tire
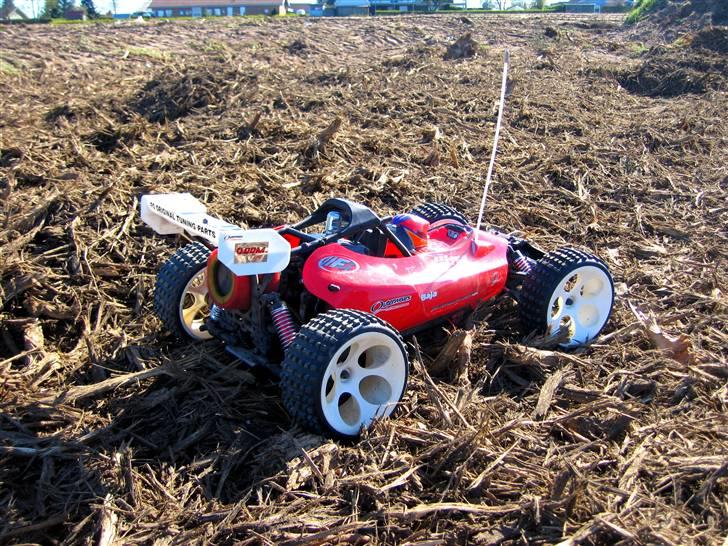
344	369
567	288
434	212
180	292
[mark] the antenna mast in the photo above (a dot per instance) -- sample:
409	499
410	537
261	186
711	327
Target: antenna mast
506	63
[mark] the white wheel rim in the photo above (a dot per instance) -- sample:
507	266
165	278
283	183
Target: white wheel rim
581	302
363	381
193	307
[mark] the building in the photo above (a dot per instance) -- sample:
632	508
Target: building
75	14
344	8
411	5
230	8
10	13
591	5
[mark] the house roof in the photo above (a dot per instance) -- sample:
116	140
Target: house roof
6	11
169	4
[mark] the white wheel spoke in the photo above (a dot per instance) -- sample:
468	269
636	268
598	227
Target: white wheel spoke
192	312
198	291
383	372
333	416
554	319
352	359
337	390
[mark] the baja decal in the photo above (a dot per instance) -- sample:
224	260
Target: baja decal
429	295
182	220
495	278
389	305
337	264
251	253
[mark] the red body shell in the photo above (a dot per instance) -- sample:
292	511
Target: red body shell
456	271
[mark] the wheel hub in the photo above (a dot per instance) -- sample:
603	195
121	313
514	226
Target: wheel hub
580	304
363	382
193	306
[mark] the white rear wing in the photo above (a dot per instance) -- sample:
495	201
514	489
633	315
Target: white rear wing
244	251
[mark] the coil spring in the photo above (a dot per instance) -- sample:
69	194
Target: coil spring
284	323
522	263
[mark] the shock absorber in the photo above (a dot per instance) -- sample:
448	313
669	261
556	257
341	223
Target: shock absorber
283	321
522	262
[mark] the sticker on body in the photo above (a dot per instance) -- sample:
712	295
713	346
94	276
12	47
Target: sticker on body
251	253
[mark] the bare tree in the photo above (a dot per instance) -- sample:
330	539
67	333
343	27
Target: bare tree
34	8
434	5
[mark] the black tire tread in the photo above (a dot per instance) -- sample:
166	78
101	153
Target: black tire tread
434	212
172	278
539	284
309	355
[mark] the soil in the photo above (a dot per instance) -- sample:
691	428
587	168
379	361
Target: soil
668	72
110	430
673	18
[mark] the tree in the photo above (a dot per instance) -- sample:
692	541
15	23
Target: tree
90	9
35	9
538	4
434	5
487	4
51	10
63	5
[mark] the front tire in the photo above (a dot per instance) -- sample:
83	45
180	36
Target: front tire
567	289
180	293
344	369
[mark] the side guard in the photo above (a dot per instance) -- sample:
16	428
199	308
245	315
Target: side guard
243	251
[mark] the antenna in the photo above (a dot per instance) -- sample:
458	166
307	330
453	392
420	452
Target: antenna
506	62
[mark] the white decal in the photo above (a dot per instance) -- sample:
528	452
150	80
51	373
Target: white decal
429	295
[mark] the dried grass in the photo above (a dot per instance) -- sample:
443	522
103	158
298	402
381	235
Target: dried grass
110	430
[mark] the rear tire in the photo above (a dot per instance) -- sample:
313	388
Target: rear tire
567	288
344	369
180	293
434	212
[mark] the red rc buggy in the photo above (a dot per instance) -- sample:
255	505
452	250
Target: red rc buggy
325	303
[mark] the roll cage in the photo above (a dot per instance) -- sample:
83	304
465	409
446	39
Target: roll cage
359	225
